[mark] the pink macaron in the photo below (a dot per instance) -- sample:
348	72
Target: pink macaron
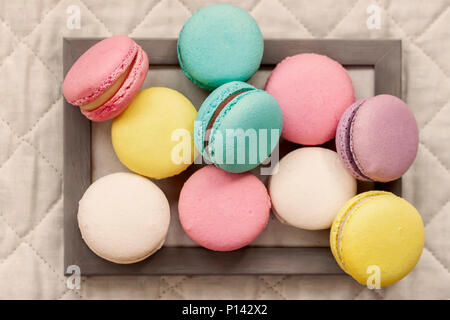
313	92
223	211
104	80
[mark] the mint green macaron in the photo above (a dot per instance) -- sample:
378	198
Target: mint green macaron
237	127
218	44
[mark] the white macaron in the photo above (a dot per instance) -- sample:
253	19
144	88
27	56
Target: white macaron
309	187
123	217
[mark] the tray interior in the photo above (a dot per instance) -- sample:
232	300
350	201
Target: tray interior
105	161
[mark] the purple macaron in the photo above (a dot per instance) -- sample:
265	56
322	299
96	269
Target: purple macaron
377	138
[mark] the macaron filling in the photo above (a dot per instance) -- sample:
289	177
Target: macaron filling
217	112
341	225
110	92
349	151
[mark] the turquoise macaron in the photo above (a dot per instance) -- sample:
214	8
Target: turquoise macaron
237	127
218	44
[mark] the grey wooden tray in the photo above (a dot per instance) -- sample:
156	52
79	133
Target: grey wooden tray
385	56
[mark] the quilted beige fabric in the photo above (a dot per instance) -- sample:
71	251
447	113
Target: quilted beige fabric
31	251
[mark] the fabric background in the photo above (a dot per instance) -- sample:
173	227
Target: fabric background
31	158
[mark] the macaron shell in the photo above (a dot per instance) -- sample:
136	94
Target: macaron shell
98	68
313	92
343	145
123	217
253	110
142	134
218	44
338	220
384	138
384	231
123	97
209	106
309	187
222	211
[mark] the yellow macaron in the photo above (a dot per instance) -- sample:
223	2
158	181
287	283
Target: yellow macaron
153	136
377	238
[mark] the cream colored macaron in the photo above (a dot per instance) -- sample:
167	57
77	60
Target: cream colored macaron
309	187
123	217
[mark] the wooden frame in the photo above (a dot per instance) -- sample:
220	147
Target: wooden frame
384	55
